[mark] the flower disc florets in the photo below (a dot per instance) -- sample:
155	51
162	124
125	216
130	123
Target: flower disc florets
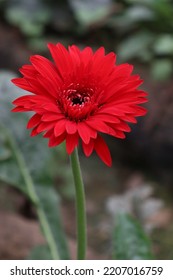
79	96
77	102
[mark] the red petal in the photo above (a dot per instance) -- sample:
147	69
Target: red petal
114	89
129	118
102	150
48	86
51	107
30	99
59	127
71	142
37	88
121	126
22	83
119	134
71	127
34	120
111	110
88	148
105	65
47	117
28	71
45	68
31	85
49	133
55	141
140	111
22	100
45	126
62	59
75	54
86	56
34	132
98	125
123	70
107	118
85	132
20	109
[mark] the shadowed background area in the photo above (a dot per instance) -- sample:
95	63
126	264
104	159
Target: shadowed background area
141	179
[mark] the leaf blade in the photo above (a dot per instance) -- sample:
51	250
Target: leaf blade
130	241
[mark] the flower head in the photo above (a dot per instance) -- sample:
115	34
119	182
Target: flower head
79	96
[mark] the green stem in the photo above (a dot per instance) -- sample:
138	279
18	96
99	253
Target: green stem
80	206
33	195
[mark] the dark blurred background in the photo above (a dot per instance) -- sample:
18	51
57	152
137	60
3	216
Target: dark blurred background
141	33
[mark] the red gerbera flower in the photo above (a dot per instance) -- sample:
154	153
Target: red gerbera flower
78	96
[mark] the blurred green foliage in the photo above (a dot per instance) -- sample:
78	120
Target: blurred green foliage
130	240
135	29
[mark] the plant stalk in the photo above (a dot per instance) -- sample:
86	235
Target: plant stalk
80	206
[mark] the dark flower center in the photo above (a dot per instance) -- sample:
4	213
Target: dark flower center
77	103
78	99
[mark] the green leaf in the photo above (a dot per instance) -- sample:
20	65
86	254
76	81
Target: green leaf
143	2
40	253
138	13
161	69
164	45
88	12
130	241
39	43
49	205
4	152
135	45
35	11
9	171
